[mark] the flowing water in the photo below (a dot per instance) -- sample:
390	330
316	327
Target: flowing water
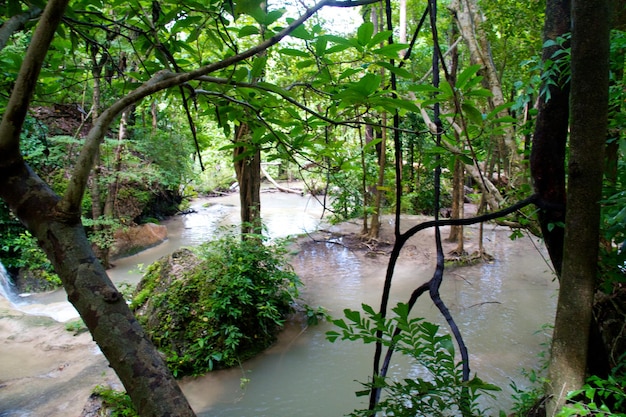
500	308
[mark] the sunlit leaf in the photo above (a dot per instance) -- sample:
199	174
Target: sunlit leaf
466	74
364	33
293	52
248	31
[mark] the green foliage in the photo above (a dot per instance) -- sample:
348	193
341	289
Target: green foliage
76	326
555	71
116	403
599	396
529	397
226	309
101	230
438	390
24	252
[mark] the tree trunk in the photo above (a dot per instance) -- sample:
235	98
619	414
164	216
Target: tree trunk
470	20
378	191
56	225
458	177
368	138
589	107
248	170
96	199
103	309
547	157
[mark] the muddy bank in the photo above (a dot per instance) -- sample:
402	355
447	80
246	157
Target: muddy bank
51	359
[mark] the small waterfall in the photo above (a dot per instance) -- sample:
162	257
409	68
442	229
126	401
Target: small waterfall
7	288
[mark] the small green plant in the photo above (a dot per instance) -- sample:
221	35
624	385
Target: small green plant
438	390
599	396
532	396
76	326
115	403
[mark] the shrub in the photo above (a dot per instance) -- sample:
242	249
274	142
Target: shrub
227	306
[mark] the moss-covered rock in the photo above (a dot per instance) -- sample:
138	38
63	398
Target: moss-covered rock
216	306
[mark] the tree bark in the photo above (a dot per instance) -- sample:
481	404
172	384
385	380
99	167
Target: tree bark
547	157
589	107
470	20
103	309
60	234
248	170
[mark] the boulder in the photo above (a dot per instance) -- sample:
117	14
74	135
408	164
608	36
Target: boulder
131	240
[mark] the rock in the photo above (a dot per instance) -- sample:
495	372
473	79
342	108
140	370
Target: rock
34	280
94	407
131	240
214	309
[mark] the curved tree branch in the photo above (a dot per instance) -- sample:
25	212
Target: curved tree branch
15	23
162	80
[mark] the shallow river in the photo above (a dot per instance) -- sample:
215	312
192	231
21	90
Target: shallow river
500	308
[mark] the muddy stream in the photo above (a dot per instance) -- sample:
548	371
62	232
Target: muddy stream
500	307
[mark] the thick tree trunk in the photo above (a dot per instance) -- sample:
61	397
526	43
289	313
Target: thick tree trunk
56	225
547	157
103	309
589	107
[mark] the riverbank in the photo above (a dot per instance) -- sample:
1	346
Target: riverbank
47	370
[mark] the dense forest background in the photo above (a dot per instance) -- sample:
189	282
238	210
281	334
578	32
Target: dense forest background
118	113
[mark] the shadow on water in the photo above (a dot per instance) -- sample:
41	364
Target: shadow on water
499	308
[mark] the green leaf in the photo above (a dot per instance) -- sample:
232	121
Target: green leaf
332	336
472	113
498	109
363	393
466	74
352	315
368	84
364	33
337	48
248	31
390	51
349	72
273	16
258	67
400	72
300	32
380	37
293	52
306	63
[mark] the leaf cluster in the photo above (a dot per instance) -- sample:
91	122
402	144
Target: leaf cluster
224	310
436	387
